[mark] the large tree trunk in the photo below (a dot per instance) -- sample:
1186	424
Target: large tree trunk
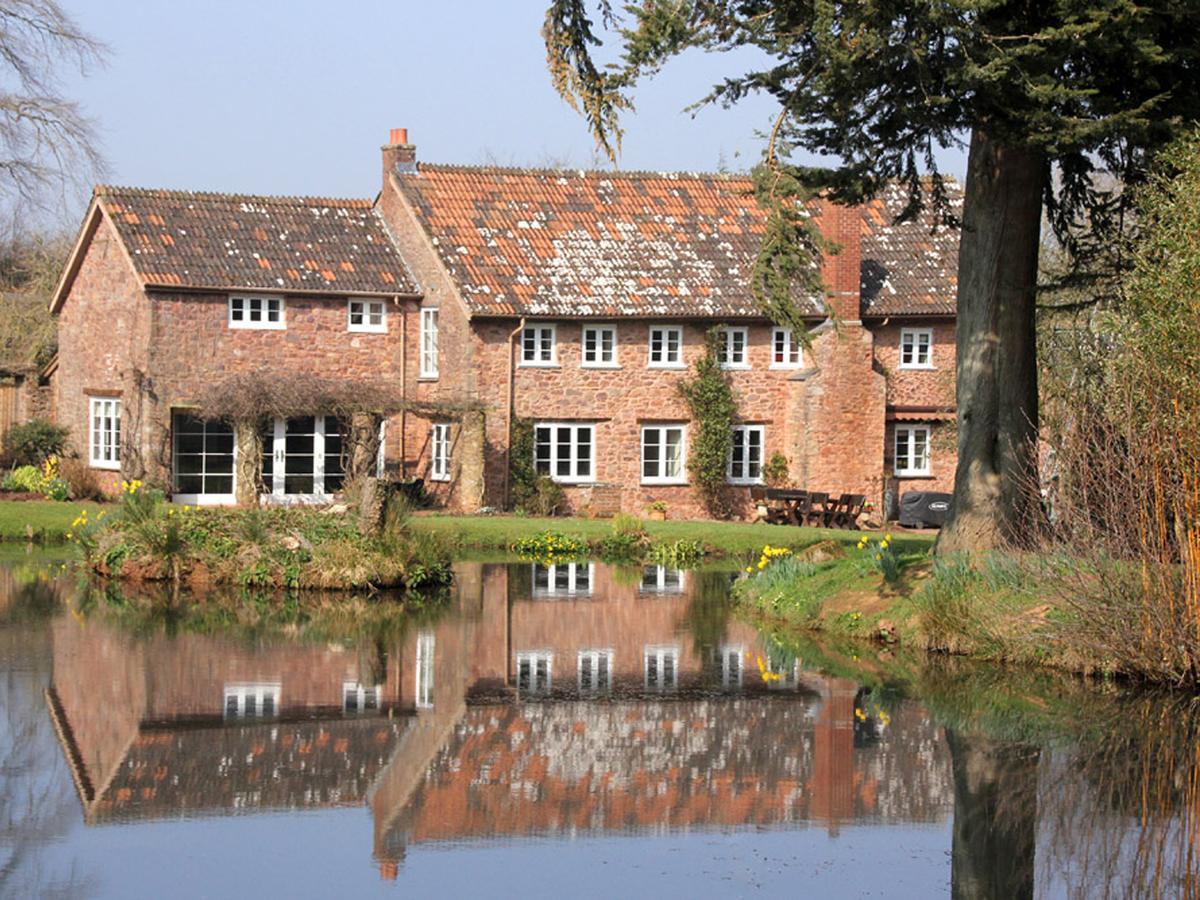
995	485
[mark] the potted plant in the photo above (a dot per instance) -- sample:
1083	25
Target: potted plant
657	511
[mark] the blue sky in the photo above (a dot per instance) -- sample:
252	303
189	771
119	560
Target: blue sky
297	97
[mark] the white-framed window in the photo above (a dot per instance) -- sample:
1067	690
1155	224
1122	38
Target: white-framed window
256	312
360	698
731	347
916	348
439	451
424	674
564	451
663	454
539	345
731	666
662	580
104	435
600	346
595	671
246	701
203	454
563	579
366	315
661	668
534	673
429	343
912	450
666	347
786	351
745	455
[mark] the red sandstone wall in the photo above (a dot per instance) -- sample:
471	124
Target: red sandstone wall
103	338
917	387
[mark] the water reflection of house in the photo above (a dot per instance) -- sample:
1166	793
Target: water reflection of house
539	704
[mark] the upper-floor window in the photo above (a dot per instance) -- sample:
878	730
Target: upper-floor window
666	346
104	436
912	450
731	348
786	351
539	346
424	675
534	673
256	312
595	671
599	345
661	667
916	348
662	454
662	580
731	666
745	455
429	343
564	451
439	456
366	315
360	698
251	700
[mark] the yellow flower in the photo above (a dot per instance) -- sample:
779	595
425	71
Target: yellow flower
887	537
878	557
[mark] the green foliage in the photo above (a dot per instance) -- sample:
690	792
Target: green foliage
30	443
710	400
550	545
522	477
624	523
547	498
775	471
25	479
881	556
627	546
678	554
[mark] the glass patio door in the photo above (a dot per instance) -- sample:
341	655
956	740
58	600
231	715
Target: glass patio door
302	459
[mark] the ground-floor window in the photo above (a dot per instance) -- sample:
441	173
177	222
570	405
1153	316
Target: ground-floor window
104	435
731	666
746	455
439	441
534	672
663	454
564	451
203	455
302	456
246	701
912	450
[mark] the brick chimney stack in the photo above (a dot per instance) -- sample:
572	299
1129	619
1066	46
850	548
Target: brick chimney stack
841	272
399	156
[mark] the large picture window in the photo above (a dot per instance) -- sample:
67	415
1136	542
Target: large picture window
203	459
746	455
104	435
663	454
912	450
564	451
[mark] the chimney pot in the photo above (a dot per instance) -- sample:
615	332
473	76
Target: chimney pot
398	136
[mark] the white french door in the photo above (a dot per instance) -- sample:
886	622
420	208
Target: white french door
302	459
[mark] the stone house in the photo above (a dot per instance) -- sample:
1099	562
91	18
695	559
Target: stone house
478	297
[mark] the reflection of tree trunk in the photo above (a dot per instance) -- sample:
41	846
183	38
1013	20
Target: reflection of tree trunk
995	817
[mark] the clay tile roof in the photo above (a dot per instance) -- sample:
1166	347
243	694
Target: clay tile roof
577	243
238	242
910	268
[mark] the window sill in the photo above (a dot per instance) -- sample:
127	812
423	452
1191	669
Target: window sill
735	367
353	330
274	326
904	368
106	466
676	366
657	483
912	476
786	367
423	378
587	365
538	365
742	482
440	479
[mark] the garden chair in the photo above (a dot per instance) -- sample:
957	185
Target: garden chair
776	514
815	514
847	511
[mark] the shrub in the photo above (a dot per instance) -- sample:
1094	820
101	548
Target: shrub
547	498
26	479
709	398
775	471
550	545
30	443
81	479
626	546
680	554
624	523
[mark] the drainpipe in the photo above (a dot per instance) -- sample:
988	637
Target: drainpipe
403	383
512	388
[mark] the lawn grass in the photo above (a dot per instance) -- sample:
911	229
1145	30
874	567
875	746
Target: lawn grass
43	521
741	539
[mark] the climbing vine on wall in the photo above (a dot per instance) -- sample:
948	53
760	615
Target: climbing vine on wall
710	399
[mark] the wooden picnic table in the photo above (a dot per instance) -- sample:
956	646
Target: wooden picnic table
801	507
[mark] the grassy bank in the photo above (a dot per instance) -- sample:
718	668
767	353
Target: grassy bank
738	539
40	521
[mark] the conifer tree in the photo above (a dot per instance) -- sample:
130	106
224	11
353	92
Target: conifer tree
1061	103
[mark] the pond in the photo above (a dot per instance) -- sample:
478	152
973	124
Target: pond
572	729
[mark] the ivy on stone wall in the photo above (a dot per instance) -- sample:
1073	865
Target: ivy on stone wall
709	397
